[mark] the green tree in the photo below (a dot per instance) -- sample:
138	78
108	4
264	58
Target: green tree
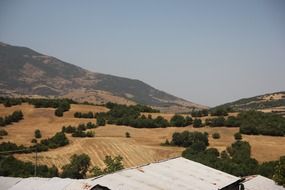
188	120
38	134
197	123
216	135
279	174
3	132
128	135
58	112
77	168
100	121
178	121
113	164
238	136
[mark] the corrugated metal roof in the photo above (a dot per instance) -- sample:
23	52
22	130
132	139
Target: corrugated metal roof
8	182
261	183
178	173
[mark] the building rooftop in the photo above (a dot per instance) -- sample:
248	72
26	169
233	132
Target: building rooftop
259	182
177	173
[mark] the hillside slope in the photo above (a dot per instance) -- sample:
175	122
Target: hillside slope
26	72
271	102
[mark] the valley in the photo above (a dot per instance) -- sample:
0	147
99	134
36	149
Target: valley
143	147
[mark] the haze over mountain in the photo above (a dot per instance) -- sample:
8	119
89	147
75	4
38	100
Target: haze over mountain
27	72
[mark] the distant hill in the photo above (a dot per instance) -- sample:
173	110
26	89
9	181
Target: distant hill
29	73
271	102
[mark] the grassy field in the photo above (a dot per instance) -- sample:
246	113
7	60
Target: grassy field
143	146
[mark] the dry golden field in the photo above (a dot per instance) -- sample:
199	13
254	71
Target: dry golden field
143	146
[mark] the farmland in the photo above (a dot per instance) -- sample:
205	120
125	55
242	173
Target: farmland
143	146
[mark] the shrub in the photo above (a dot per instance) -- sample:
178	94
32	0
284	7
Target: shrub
216	135
217	122
3	132
187	138
58	112
38	134
101	121
255	123
16	116
128	135
197	123
112	165
77	168
178	121
238	136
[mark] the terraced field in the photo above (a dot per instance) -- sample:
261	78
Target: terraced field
143	146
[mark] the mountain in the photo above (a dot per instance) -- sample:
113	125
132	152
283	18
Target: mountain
271	102
25	72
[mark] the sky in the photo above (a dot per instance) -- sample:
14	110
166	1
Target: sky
209	52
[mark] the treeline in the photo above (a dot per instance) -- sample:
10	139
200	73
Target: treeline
16	116
10	166
252	123
236	159
200	113
133	116
3	133
80	164
138	107
58	140
231	121
80	130
61	105
259	123
84	115
77	168
186	139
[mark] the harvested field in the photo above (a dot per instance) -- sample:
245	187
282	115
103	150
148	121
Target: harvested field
143	146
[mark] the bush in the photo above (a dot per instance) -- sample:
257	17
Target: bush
217	122
200	113
128	135
12	167
197	123
58	140
101	121
84	115
236	160
187	138
232	122
112	165
177	121
238	136
3	132
216	135
16	116
259	123
219	112
77	168
58	112
279	174
38	134
79	131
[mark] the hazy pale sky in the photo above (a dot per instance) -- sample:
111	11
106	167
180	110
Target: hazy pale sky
209	52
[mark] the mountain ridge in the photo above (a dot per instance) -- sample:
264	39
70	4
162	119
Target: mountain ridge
29	73
269	102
